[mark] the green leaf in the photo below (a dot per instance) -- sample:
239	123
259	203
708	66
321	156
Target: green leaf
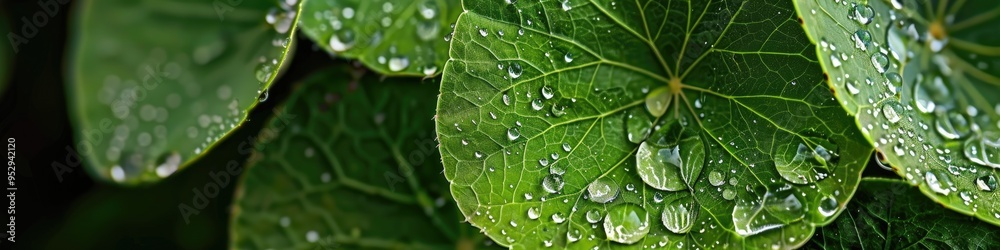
349	162
557	134
889	214
392	37
920	79
154	84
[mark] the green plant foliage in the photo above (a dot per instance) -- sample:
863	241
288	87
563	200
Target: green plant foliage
392	37
890	214
620	124
350	163
154	84
921	80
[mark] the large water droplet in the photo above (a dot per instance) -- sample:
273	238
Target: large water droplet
547	92
984	149
938	181
534	213
784	204
801	164
626	223
553	183
715	178
827	206
952	125
398	63
679	214
660	168
603	190
658	100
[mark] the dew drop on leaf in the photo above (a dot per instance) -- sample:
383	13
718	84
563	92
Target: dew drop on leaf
626	223
679	214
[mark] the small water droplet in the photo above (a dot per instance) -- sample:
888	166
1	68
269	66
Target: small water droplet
603	190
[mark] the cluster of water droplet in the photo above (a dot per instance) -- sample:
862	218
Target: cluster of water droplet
910	93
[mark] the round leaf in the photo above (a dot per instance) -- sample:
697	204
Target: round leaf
751	151
921	81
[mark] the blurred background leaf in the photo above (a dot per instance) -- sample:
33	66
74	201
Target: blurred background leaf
350	162
891	214
154	84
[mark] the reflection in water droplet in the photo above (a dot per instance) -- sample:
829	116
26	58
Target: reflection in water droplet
715	178
553	183
801	164
938	182
987	183
514	70
626	223
658	100
594	216
880	62
637	125
679	215
603	190
660	168
513	133
827	206
342	41
534	213
863	40
983	149
952	125
862	13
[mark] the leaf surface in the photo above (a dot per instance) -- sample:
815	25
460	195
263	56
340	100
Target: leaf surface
154	84
921	79
392	37
621	124
890	214
349	163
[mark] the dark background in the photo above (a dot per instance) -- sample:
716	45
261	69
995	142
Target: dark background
80	213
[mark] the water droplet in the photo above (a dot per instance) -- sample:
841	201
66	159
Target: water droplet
603	190
827	206
715	178
801	164
889	111
983	150
534	213
342	41
594	216
537	104
428	9
514	70
952	125
573	235
862	13
566	147
895	81
938	181
626	223
987	183
547	92
568	57
863	40
553	183
679	214
880	62
558	217
660	168
780	206
638	125
658	100
398	63
513	133
728	194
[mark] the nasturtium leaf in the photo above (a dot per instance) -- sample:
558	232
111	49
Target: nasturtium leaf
350	163
573	95
921	80
392	37
890	214
154	84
